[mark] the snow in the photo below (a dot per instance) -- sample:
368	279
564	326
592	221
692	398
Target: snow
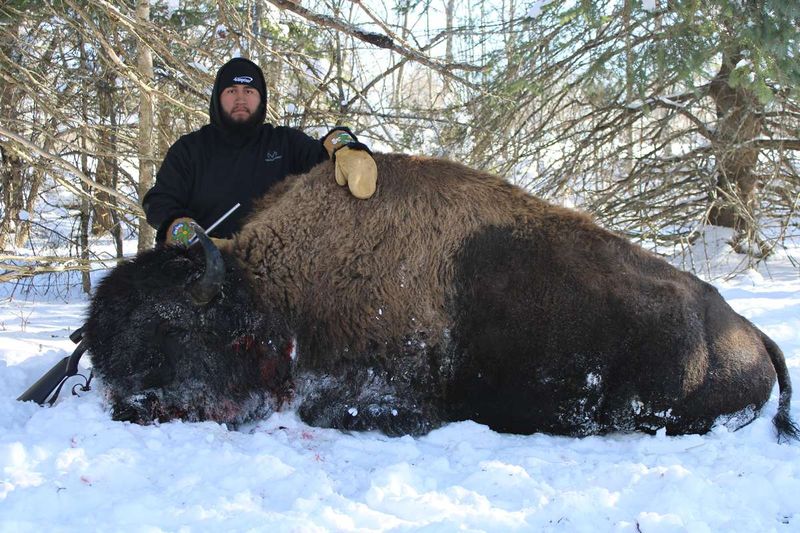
536	8
71	468
172	6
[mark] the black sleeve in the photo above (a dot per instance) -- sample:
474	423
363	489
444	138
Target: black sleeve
307	152
168	199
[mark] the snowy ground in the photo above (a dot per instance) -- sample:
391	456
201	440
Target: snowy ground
71	468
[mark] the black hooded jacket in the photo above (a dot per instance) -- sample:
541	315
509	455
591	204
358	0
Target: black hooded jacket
208	171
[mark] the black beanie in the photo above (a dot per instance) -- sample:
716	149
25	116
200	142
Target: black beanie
240	71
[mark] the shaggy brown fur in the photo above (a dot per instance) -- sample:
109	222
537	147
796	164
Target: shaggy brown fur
372	271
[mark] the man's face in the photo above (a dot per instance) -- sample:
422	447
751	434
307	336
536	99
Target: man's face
239	102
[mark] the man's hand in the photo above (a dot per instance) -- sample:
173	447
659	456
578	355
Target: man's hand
353	162
180	232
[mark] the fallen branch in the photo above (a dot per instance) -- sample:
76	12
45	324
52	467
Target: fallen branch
48	265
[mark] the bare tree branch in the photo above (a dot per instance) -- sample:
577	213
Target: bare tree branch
133	207
381	41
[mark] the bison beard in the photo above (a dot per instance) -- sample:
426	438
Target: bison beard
449	295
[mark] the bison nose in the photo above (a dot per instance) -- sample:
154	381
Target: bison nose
124	411
139	409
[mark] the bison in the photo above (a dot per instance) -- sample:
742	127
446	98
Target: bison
449	295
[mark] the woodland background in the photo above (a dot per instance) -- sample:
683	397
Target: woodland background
658	117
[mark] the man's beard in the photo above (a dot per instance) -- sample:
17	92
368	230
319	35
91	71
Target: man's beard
242	127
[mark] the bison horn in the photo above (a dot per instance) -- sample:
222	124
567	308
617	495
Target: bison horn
204	289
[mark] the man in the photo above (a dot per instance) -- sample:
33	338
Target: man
237	158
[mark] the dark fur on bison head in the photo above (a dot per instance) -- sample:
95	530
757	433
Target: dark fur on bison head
178	333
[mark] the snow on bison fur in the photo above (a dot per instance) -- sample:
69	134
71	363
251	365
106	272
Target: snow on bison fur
449	295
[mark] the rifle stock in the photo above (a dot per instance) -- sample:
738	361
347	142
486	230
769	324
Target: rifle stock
55	378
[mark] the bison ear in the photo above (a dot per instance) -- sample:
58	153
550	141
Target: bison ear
210	283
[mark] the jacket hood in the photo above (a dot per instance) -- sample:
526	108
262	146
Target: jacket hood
231	68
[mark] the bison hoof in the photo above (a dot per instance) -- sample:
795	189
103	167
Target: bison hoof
392	421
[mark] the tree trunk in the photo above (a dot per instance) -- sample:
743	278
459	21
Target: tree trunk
37	178
738	122
626	16
11	183
106	163
84	217
83	240
116	219
145	67
272	66
36	173
11	168
449	12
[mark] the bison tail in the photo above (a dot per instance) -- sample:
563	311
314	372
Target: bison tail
787	429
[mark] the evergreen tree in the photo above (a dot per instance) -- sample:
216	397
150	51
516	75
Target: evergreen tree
658	118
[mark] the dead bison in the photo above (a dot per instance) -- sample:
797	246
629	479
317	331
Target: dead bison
449	295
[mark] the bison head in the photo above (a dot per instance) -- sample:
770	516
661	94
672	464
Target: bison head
180	333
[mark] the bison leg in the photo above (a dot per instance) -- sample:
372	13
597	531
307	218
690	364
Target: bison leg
363	399
512	371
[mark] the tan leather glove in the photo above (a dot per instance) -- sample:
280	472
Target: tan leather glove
357	170
180	232
354	165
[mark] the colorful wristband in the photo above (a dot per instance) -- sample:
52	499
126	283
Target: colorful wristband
340	139
182	233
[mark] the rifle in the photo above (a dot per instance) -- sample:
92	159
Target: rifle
55	378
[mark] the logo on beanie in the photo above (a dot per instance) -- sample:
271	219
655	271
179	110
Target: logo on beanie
243	79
